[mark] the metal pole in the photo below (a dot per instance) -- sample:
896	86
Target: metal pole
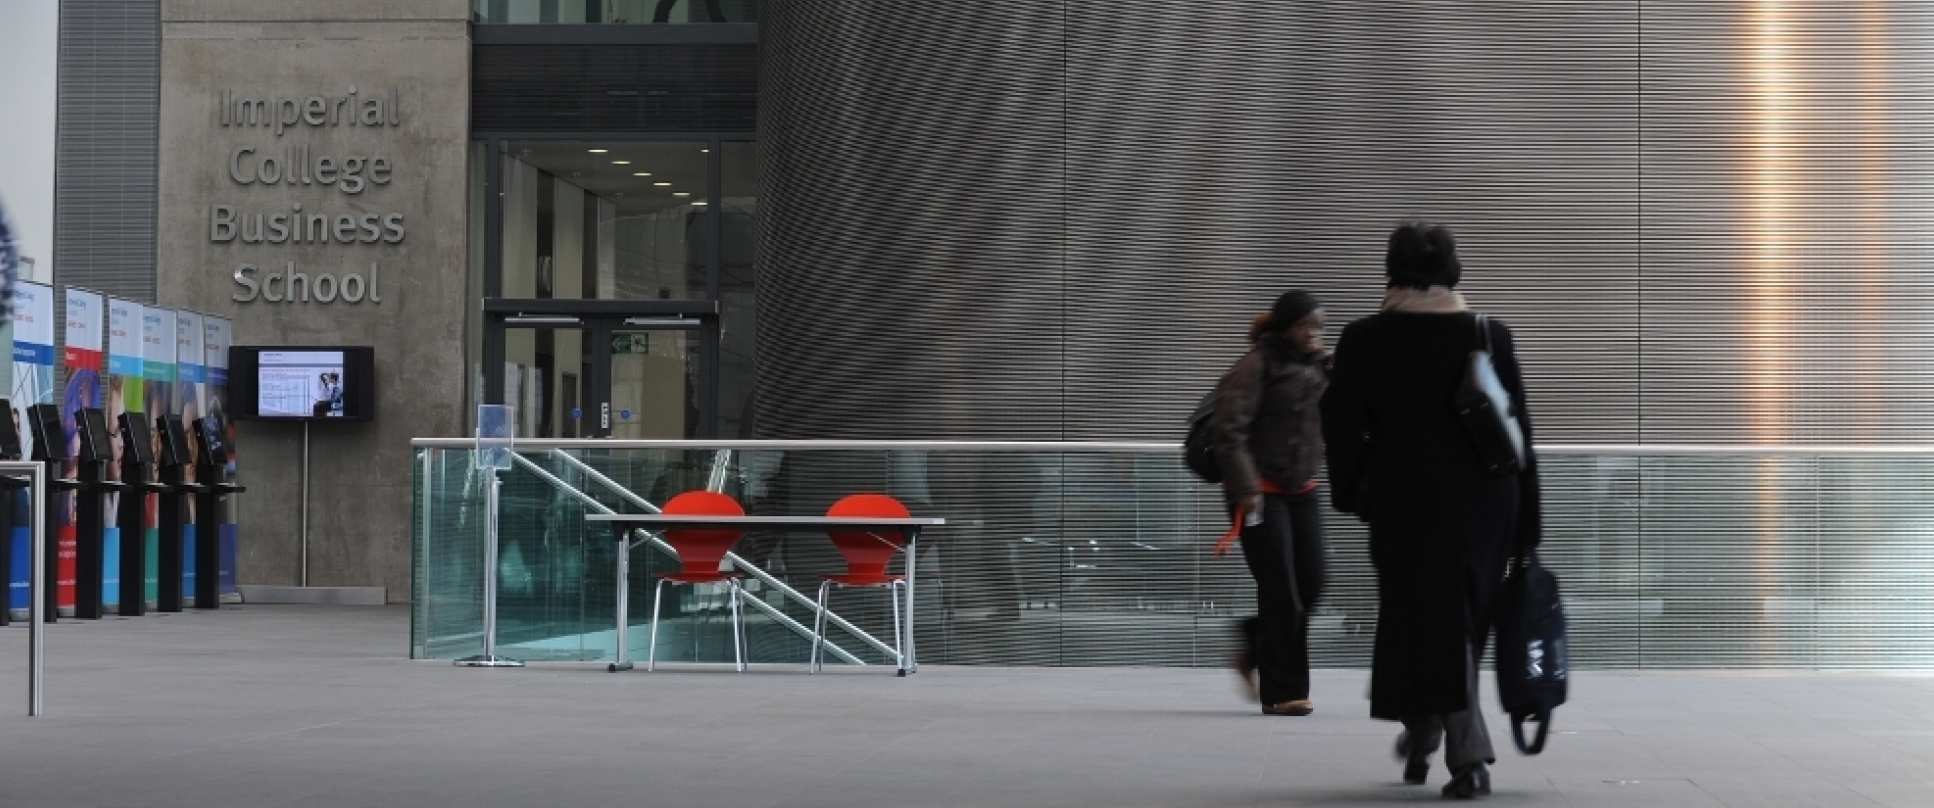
303	532
623	621
36	608
493	493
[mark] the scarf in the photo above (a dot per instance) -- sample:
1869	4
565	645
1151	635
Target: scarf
1435	300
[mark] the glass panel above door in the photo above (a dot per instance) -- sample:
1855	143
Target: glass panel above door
606	221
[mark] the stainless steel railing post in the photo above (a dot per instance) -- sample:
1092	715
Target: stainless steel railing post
37	583
493	493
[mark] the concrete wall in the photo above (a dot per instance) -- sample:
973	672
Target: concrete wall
417	52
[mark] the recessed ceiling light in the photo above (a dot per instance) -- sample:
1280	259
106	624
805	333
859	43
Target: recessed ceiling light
641	173
704	151
597	151
662	184
621	162
681	193
700	204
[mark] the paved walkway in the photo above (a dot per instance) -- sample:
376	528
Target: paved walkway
287	706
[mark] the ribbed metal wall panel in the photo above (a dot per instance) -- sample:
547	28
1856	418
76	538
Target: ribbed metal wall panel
1016	219
105	159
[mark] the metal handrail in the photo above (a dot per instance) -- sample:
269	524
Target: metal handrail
36	474
1554	449
659	543
738	561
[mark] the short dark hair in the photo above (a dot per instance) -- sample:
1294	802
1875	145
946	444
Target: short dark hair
1422	255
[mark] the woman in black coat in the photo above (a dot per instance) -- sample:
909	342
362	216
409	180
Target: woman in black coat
1442	528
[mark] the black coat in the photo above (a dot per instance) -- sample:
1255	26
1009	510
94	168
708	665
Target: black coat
1441	529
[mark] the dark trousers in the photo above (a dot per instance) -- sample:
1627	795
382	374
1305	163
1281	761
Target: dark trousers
1285	554
1466	740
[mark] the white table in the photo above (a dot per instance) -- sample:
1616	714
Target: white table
621	523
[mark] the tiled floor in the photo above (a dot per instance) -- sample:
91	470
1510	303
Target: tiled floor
287	706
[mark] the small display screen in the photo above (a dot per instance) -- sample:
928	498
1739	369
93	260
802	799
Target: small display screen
136	437
300	384
44	420
94	436
174	441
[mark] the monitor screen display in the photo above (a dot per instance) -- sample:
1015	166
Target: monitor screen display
300	384
292	383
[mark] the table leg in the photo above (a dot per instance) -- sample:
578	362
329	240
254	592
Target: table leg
623	628
908	662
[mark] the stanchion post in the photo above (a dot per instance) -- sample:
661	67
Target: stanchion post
36	583
494	438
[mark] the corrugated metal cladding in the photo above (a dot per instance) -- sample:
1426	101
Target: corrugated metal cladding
1052	220
109	118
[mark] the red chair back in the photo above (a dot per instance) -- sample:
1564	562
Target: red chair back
701	549
867	552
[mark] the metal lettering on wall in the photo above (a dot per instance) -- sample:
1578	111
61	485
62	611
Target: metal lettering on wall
253	165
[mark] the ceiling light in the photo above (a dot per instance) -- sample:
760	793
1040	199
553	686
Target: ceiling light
681	194
597	151
700	204
641	173
704	151
621	162
662	184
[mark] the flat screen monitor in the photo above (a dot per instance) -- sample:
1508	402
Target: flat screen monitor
136	437
95	445
174	441
302	383
10	445
44	420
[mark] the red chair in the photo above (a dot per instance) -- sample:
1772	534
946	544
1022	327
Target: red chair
867	554
700	551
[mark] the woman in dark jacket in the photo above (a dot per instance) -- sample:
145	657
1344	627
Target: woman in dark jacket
1269	443
1442	528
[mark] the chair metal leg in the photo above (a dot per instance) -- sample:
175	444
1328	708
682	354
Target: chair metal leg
899	650
738	627
819	626
651	649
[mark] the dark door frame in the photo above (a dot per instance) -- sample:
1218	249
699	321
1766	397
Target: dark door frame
600	319
611	314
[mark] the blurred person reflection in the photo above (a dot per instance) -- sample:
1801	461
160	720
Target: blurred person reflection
1442	526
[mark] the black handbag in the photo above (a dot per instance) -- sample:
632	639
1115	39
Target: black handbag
1484	406
1533	664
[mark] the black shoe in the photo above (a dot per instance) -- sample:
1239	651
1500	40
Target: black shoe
1416	768
1470	783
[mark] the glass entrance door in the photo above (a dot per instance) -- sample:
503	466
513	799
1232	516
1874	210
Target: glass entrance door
590	376
546	376
655	383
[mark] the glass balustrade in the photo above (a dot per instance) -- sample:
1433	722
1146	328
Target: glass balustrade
1078	555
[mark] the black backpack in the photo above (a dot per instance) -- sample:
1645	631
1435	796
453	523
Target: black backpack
1198	449
1532	663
